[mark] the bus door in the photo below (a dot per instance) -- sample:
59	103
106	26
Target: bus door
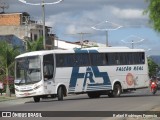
48	72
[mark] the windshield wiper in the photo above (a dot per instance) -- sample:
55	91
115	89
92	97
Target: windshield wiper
29	78
20	81
33	70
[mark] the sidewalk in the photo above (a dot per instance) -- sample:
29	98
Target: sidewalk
3	97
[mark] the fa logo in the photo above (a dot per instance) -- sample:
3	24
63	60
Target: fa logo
90	74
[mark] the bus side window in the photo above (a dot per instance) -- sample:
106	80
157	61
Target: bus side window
48	66
143	58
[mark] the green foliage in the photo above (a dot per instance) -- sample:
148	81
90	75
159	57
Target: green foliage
35	45
7	56
152	67
153	10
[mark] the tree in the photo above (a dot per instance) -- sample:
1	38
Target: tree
35	45
152	66
153	10
7	56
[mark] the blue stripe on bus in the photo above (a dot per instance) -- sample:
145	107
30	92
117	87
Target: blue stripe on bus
75	75
90	73
99	88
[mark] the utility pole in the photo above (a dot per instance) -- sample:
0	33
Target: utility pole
132	44
26	22
134	40
44	30
106	38
82	37
43	14
111	26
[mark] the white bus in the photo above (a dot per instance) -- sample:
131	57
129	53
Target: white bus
94	71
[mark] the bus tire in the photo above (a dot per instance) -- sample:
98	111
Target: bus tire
60	94
110	94
117	90
93	95
36	99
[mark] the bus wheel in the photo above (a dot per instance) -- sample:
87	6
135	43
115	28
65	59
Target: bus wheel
60	93
110	94
36	99
93	95
117	90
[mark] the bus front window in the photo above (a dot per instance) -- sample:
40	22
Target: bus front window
28	70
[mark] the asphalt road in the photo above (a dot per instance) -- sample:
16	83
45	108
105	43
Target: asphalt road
140	100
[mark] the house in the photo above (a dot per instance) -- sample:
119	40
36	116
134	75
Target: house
21	25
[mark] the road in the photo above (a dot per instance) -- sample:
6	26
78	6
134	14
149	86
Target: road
140	100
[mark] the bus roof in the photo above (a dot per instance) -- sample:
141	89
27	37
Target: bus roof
82	50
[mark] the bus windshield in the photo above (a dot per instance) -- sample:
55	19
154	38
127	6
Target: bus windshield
28	70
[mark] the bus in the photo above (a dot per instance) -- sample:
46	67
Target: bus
93	71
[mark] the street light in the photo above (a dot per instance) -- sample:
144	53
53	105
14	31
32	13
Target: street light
43	14
132	41
113	25
81	36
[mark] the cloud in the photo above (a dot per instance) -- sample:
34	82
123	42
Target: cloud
71	29
94	10
75	16
128	13
81	21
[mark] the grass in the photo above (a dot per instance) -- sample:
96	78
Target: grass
6	98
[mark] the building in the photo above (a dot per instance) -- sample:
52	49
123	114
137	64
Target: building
20	25
14	41
62	44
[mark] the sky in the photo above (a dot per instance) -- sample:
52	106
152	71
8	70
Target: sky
71	17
